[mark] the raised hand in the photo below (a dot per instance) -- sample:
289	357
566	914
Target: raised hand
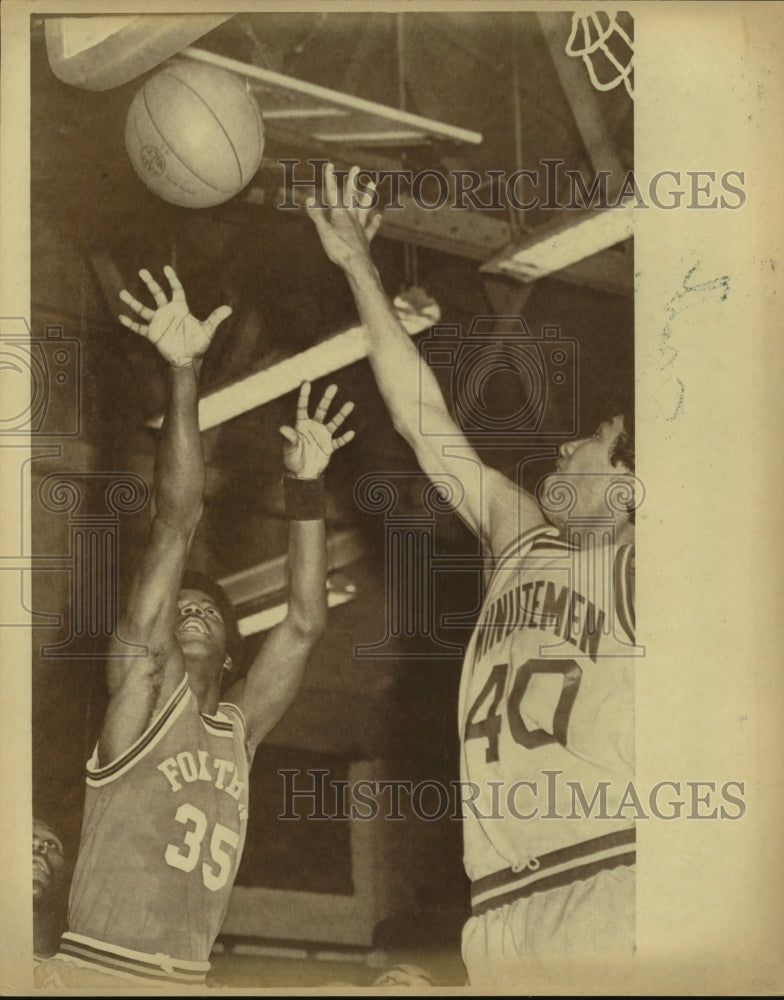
177	334
345	232
310	443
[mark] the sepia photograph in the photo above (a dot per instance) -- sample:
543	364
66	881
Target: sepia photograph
331	336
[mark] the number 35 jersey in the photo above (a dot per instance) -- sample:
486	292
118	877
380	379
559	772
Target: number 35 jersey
547	710
163	831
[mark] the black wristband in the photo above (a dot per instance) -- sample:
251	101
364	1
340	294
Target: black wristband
306	499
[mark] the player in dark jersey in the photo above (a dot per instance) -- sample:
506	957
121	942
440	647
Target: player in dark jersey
547	698
167	786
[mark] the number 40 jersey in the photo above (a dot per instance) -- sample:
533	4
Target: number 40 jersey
547	717
163	831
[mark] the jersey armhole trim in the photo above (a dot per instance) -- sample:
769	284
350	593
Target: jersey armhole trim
230	705
525	541
624	589
97	776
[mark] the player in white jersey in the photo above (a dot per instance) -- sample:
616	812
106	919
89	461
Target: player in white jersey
167	786
546	705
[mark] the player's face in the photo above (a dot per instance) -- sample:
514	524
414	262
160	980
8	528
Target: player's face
592	454
404	975
48	860
200	627
585	464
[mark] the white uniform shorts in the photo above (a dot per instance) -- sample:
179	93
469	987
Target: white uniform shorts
576	936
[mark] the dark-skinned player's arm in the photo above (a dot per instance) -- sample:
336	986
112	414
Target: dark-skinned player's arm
139	685
494	508
275	676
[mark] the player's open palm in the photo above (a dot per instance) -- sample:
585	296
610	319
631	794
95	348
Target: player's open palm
348	225
178	335
310	443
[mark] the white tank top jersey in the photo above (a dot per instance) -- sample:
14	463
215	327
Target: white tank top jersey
547	718
163	831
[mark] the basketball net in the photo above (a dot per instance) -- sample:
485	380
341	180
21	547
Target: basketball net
605	48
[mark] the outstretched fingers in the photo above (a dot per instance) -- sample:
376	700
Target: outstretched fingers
318	209
363	196
216	317
155	289
178	294
289	434
133	325
326	399
138	307
338	442
302	401
340	417
144	312
330	185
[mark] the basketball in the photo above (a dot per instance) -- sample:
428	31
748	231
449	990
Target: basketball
194	134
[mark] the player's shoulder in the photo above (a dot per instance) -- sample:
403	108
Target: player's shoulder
539	537
510	511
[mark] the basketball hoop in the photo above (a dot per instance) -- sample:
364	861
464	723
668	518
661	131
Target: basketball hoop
606	49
